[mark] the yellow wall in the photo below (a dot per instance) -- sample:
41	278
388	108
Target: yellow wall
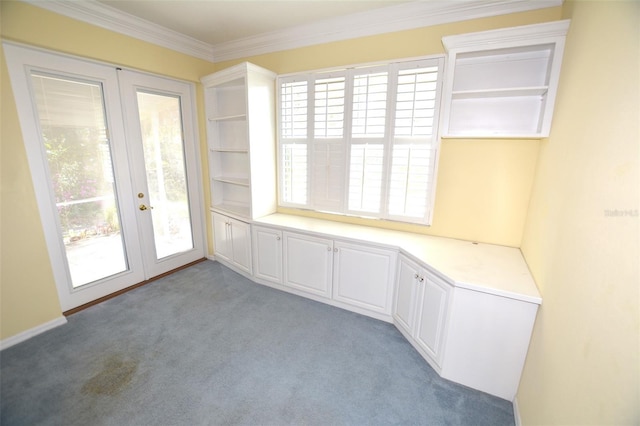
583	365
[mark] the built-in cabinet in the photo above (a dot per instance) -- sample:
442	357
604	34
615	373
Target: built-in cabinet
421	306
308	263
470	337
267	254
363	276
239	104
476	335
232	241
347	274
503	83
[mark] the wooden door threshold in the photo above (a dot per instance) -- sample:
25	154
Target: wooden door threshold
124	290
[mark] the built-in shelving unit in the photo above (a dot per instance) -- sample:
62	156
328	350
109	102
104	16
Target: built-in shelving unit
502	83
239	104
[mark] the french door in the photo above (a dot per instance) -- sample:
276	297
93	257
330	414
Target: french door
113	156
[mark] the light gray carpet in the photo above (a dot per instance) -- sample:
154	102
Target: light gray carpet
206	346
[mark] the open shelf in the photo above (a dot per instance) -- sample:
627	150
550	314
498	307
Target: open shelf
234	180
228	207
502	83
498	93
234	117
240	114
228	135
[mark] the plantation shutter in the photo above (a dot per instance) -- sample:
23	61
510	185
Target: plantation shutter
368	127
328	142
294	145
414	143
363	140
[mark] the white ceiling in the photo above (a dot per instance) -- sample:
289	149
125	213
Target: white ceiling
221	21
220	30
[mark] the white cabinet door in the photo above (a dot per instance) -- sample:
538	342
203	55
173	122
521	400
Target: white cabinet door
241	243
267	254
420	307
431	315
221	237
406	294
308	262
363	276
232	241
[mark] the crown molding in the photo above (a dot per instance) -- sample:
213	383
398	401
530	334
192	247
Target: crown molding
101	15
532	33
406	16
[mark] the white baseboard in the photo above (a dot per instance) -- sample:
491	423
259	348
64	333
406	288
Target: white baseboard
516	412
26	335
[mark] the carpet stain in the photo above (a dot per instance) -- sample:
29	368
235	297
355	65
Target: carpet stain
116	374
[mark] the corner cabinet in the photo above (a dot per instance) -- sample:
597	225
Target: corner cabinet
470	337
240	104
502	83
420	308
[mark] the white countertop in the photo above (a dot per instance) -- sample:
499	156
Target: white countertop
480	267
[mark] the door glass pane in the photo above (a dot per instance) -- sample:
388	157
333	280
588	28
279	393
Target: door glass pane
74	133
161	124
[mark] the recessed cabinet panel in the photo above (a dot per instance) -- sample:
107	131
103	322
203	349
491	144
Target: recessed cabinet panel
232	241
221	238
241	244
406	294
308	262
363	276
421	308
267	251
432	315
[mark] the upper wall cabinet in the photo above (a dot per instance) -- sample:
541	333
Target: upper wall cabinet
502	83
239	103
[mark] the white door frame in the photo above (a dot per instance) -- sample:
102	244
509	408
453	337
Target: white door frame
130	83
21	60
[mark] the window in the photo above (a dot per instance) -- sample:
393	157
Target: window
361	141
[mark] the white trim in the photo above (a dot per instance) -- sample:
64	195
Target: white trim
388	141
231	73
32	332
529	34
112	19
516	412
406	16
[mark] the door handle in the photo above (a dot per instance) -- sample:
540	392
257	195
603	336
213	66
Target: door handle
142	207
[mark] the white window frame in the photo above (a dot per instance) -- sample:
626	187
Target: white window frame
315	202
